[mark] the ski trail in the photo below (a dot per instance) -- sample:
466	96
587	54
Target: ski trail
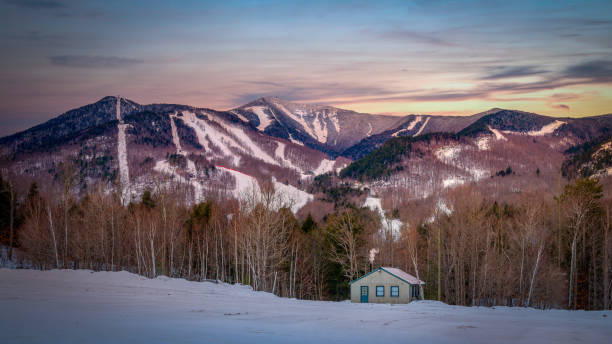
191	168
422	127
124	172
175	138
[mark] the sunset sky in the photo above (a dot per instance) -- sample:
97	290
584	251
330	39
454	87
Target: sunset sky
397	57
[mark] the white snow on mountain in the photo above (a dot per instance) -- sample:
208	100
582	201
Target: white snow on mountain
547	129
498	134
207	135
452	182
279	153
410	126
325	166
247	145
246	187
264	118
291	196
483	143
124	168
422	127
387	224
450	155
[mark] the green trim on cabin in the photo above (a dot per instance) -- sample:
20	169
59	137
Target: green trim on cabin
381	268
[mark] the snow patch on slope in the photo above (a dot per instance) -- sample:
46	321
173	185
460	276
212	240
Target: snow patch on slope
291	196
483	143
448	154
498	134
264	119
286	195
325	166
547	129
392	225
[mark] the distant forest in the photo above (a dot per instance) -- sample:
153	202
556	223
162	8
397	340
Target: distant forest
538	251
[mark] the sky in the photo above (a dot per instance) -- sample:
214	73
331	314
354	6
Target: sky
388	57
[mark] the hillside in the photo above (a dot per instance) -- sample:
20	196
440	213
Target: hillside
231	153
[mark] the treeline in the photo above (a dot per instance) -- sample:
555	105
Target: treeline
383	160
534	251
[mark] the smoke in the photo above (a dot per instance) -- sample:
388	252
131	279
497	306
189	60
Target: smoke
373	253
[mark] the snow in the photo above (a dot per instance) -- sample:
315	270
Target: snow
334	119
422	127
175	137
410	126
441	208
403	275
286	195
452	182
264	119
245	185
207	134
247	145
498	134
448	154
320	128
291	196
124	171
244	119
164	166
295	141
547	129
325	166
80	306
298	117
280	154
483	143
394	225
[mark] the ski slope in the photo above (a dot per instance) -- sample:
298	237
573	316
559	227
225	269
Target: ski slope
80	306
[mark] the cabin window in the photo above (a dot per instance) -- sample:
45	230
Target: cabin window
394	291
380	291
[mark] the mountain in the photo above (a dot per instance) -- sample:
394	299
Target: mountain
324	128
117	141
120	144
502	152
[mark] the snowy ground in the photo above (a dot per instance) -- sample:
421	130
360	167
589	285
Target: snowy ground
65	306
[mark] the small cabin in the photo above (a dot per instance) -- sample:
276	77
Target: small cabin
386	285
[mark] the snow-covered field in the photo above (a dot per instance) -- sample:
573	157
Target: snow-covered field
67	306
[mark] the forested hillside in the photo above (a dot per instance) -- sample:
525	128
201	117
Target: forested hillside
471	250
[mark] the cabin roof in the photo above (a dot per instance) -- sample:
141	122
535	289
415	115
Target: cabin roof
401	274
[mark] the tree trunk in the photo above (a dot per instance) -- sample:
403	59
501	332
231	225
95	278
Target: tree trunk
533	275
606	268
11	219
53	236
572	268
